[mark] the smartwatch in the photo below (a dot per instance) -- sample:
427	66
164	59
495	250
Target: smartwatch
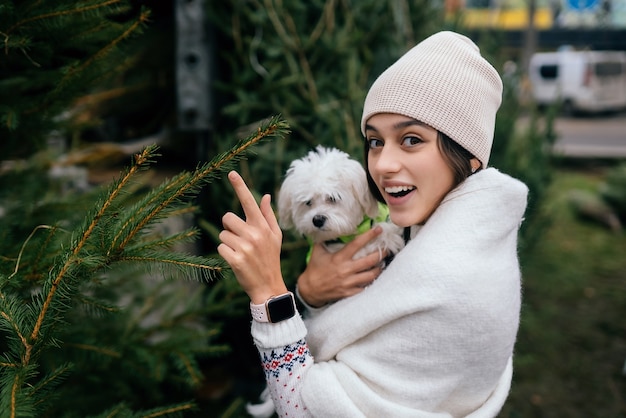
275	309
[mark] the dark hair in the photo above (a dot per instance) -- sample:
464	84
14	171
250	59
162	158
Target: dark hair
457	157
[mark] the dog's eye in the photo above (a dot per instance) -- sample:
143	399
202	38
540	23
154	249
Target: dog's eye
331	199
308	203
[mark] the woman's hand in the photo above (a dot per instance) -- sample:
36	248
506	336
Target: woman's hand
252	246
332	276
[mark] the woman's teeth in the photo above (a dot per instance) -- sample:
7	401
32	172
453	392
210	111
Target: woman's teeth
399	190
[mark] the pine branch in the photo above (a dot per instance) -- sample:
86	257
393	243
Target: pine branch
188	364
73	72
133	221
51	381
12	318
19	257
274	128
28	342
61	13
95	305
184	236
168	411
141	160
123	411
97	349
180	262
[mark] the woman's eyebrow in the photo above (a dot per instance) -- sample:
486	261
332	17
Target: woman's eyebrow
406	123
370	128
398	125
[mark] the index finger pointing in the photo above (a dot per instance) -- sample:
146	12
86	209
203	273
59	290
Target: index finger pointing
248	203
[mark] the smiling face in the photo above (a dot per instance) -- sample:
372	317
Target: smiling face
407	166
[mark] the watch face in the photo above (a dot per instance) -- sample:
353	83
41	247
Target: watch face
281	308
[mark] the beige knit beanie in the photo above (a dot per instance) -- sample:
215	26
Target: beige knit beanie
444	82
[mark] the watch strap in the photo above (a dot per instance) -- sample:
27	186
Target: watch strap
261	312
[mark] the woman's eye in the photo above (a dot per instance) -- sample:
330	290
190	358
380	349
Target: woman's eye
375	143
411	140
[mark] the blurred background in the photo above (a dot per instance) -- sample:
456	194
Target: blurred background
84	85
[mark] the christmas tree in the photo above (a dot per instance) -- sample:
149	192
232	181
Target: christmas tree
85	327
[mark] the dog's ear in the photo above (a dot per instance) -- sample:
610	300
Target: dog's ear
362	191
285	202
370	204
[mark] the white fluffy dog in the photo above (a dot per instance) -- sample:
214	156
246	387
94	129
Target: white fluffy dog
325	197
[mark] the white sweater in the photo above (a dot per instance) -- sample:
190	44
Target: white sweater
433	336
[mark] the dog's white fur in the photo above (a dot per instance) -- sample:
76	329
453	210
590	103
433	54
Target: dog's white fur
325	196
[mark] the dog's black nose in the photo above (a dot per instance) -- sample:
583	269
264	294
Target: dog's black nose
319	221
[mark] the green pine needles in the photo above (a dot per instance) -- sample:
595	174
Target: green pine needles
52	53
84	327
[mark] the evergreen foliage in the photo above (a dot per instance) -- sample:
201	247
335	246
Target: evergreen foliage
311	62
525	152
528	157
613	190
55	52
83	325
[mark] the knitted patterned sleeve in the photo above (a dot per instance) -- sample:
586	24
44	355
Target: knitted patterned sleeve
286	359
284	368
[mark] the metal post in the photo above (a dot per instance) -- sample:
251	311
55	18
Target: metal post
192	66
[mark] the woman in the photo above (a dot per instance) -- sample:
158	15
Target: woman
433	334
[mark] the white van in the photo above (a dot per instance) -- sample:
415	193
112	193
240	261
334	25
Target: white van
582	81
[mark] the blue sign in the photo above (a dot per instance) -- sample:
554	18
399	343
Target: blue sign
582	4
